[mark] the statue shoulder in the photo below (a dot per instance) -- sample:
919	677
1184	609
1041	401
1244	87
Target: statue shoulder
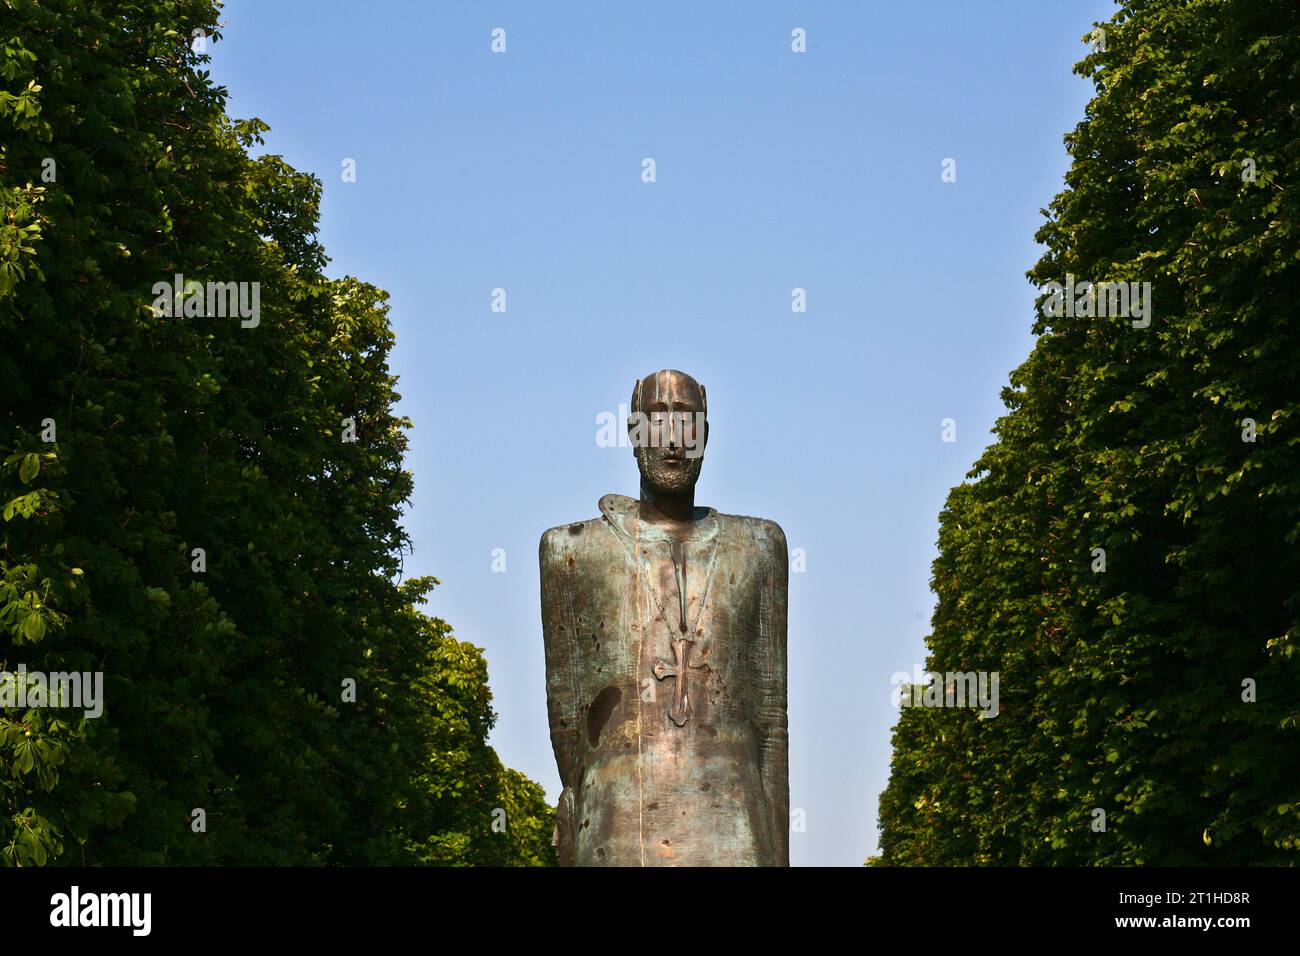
591	536
773	538
564	539
768	534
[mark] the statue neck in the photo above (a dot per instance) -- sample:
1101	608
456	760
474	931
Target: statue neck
669	509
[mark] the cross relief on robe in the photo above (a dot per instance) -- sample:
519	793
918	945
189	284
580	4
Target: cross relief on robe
679	669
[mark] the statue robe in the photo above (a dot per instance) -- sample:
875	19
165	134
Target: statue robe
654	774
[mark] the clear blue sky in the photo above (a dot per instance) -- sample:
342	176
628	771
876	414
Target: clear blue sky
775	170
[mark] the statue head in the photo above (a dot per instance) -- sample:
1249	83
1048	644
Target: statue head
669	428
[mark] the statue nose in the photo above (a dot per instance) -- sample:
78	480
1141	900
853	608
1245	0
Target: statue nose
678	433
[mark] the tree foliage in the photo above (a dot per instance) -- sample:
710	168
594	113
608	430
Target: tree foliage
119	168
1122	690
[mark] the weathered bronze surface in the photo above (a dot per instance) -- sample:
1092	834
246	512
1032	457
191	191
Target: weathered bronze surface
665	633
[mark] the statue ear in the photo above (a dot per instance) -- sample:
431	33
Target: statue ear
632	414
704	398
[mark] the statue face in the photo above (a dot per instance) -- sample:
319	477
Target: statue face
669	435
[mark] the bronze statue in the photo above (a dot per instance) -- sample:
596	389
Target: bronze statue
665	633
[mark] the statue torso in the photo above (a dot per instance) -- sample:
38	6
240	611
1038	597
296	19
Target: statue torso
663	725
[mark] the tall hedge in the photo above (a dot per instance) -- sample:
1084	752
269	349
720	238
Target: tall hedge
1127	553
130	438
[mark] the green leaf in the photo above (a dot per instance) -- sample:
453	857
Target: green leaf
33	627
30	468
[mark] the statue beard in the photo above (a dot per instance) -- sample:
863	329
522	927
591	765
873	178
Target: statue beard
664	479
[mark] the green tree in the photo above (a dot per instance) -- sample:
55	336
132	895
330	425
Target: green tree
1122	689
183	508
